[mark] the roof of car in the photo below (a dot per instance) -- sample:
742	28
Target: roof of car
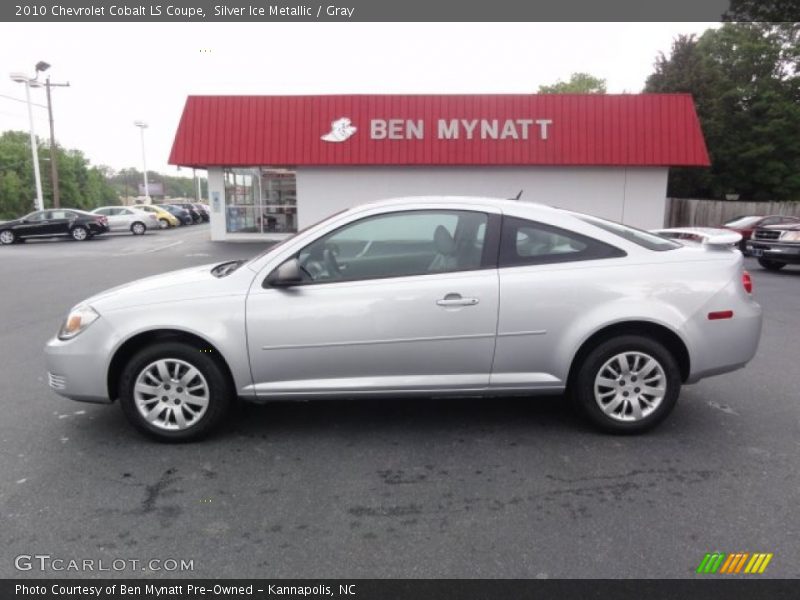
503	204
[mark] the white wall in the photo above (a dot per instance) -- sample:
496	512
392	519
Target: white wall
632	195
216	189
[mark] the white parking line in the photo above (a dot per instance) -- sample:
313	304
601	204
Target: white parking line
150	250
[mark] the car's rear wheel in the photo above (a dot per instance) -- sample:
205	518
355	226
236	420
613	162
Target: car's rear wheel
7	237
163	223
175	392
771	265
627	384
79	233
138	228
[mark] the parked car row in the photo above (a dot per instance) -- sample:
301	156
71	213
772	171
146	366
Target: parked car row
774	240
82	225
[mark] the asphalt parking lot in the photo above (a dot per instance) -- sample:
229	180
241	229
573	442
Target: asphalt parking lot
426	488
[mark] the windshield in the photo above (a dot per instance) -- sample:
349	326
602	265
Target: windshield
648	240
743	222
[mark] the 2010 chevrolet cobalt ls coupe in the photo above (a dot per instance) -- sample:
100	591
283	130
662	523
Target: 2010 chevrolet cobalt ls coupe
420	296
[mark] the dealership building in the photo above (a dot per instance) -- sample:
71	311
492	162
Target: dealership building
279	163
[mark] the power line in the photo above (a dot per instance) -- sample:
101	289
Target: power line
21	100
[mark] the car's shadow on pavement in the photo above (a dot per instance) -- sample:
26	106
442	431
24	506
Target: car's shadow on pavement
401	417
431	418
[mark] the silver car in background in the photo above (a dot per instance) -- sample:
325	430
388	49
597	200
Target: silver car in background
127	218
420	297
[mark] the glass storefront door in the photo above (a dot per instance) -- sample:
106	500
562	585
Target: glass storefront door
261	200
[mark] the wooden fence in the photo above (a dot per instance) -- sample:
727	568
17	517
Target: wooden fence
683	212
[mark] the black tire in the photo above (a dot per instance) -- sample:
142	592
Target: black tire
164	223
79	233
8	237
219	385
583	385
138	228
771	265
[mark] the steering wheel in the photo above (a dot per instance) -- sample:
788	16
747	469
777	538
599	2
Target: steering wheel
331	264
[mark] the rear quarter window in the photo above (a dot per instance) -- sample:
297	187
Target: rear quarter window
524	242
642	238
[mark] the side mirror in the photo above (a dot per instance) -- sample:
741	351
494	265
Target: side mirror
287	275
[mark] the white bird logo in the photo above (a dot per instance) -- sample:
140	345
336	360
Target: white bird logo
341	129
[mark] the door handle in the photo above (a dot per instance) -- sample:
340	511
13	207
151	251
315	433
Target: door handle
456	300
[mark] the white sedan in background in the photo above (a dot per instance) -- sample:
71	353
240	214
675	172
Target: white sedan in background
126	218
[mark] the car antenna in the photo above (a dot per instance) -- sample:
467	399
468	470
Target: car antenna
518	196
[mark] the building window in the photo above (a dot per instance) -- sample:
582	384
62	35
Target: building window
261	200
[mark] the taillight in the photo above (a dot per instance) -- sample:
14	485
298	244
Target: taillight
747	282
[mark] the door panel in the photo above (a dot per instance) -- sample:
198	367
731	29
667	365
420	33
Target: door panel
58	222
34	224
549	279
379	335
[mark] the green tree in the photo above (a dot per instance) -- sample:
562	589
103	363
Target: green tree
81	185
579	83
744	82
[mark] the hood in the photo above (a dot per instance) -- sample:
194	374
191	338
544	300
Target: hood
783	227
183	286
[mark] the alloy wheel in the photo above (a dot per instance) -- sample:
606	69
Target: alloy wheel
171	394
630	386
7	237
79	234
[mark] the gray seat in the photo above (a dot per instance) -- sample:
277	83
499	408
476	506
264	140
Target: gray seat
445	245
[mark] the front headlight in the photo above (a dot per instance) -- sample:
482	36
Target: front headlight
791	236
77	320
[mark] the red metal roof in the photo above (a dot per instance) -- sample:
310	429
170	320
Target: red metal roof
556	129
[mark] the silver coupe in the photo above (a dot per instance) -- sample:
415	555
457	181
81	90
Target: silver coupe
421	297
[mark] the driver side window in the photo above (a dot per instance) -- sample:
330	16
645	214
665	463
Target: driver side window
397	245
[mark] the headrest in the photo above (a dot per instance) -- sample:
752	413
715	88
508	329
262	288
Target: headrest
443	240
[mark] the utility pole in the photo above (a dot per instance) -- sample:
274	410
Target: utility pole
53	152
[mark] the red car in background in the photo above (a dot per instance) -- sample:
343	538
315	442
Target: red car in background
746	225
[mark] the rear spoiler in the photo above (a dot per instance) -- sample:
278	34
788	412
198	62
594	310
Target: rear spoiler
707	236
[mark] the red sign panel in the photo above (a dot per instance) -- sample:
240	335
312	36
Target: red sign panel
552	129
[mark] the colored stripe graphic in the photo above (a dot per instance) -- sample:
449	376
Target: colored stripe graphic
758	563
722	563
711	562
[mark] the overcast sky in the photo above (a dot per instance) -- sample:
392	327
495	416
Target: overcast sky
128	71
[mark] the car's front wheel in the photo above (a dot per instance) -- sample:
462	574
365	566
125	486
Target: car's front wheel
79	233
163	224
771	265
627	384
138	228
7	237
175	392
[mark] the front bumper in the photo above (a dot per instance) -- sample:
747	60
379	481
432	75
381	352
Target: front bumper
77	368
781	252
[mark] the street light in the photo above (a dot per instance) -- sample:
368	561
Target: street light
142	126
29	83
